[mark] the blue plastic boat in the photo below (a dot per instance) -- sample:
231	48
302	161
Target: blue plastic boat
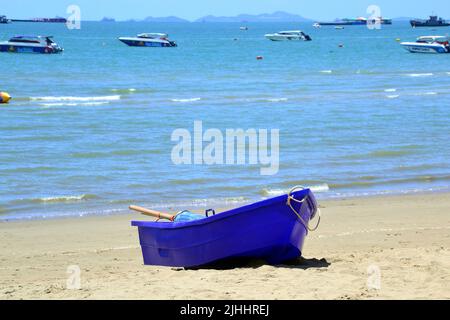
272	229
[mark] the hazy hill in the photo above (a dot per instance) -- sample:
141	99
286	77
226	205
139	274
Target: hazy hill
278	16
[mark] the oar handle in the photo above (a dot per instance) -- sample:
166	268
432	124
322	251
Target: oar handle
153	213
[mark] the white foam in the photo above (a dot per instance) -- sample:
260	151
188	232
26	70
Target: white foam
277	99
72	98
320	188
186	100
420	74
73	104
390	90
65	198
277	192
393	96
130	90
326	71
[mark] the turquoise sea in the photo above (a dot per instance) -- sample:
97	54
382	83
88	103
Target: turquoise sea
88	131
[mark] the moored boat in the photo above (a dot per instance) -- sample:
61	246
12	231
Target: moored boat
433	21
295	35
30	44
272	229
4	20
149	40
428	44
360	21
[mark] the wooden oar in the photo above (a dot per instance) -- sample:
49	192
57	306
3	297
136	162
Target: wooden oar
153	213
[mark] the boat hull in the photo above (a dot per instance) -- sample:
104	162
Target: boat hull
424	47
267	230
146	43
417	24
28	49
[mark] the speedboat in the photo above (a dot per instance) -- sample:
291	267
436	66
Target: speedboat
316	25
295	35
149	40
273	229
428	44
30	44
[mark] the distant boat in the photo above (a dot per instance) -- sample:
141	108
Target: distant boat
30	44
428	44
295	35
433	21
243	28
4	20
361	21
339	27
149	40
45	20
316	25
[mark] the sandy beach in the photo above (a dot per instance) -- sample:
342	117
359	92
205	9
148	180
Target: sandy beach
399	245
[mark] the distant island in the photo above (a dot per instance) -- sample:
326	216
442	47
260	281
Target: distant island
106	19
279	16
165	19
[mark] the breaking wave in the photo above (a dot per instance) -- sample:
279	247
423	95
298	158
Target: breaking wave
79	99
186	100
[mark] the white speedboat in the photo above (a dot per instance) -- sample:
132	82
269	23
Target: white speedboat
149	40
295	35
428	44
317	25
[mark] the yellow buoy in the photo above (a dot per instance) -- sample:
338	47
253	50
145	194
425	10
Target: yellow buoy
398	40
4	97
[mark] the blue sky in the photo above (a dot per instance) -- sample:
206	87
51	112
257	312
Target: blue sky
193	9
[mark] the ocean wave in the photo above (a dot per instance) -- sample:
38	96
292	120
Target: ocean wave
124	152
278	192
57	199
277	99
73	104
390	90
124	90
186	100
415	75
393	96
430	93
73	98
326	71
380	182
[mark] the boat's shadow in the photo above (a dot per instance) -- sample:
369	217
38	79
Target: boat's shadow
299	263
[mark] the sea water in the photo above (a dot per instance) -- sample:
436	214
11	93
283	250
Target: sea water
89	131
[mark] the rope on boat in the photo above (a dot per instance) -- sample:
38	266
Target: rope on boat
291	198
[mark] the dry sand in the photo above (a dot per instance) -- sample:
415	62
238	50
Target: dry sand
405	238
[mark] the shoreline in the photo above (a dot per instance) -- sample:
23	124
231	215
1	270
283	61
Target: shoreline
406	238
320	196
